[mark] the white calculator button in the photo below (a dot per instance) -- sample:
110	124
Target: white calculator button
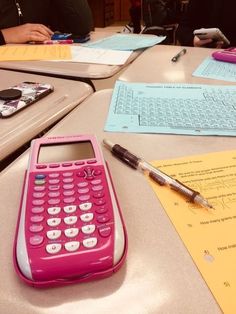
86	217
88	229
53	234
54	210
72	246
53	248
70	220
53	222
85	206
71	232
69	209
90	242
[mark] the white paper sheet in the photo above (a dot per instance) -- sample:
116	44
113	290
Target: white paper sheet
98	56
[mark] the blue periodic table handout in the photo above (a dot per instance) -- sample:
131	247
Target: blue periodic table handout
191	109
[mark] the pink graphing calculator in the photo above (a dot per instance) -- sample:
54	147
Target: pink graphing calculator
227	55
70	227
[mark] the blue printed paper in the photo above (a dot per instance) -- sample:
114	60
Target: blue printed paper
214	69
191	109
126	42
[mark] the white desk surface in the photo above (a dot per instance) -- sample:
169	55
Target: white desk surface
71	69
154	65
15	131
159	275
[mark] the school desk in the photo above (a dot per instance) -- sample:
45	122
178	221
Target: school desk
18	129
72	70
154	65
159	275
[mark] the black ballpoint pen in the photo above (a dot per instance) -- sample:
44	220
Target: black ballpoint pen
156	174
181	53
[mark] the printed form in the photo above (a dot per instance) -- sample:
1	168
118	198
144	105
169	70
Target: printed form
218	70
34	52
209	235
126	42
66	53
191	109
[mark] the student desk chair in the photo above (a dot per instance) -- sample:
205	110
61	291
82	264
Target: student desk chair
20	128
159	276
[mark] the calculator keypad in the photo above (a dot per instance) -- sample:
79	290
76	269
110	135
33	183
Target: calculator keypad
69	211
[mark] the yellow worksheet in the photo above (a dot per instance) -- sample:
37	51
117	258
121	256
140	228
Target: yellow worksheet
209	235
34	52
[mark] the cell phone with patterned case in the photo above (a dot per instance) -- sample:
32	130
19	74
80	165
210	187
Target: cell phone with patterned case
20	96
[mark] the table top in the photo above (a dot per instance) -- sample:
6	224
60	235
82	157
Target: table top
154	65
17	130
159	275
71	69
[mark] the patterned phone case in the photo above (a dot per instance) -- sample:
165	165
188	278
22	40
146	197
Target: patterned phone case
31	92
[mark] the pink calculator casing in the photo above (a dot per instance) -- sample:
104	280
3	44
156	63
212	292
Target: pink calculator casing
71	263
227	55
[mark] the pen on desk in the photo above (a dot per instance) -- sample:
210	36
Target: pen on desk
156	174
181	53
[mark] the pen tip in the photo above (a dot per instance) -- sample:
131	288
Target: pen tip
207	205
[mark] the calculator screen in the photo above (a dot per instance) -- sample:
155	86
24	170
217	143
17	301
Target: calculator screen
65	152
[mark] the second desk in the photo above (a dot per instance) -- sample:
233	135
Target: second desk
17	130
